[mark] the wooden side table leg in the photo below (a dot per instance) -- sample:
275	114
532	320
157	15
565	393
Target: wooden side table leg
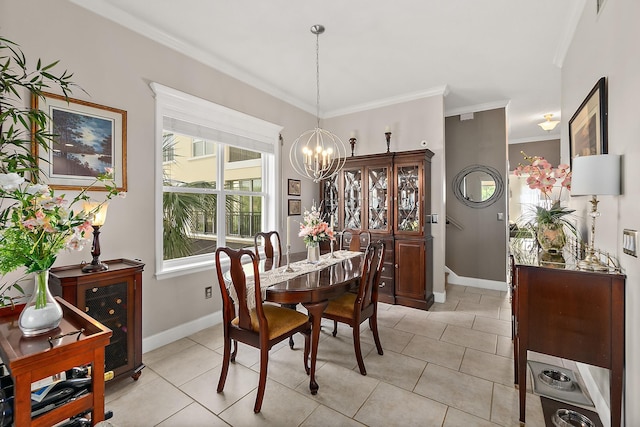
522	383
97	413
315	311
22	403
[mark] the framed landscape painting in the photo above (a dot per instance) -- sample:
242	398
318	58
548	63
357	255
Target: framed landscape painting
588	126
89	140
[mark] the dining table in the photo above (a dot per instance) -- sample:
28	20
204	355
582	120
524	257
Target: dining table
309	284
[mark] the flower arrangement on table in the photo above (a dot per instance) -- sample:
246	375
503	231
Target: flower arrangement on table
550	217
313	229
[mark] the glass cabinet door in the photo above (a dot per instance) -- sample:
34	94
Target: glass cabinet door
329	208
352	198
378	204
408	198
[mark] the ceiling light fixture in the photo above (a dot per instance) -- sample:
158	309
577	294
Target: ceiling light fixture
549	124
317	153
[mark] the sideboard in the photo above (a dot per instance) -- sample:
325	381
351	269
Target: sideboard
571	314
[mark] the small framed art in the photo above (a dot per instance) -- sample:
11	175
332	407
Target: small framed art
588	126
295	207
89	140
293	187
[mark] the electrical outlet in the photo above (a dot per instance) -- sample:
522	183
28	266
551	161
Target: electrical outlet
208	292
630	242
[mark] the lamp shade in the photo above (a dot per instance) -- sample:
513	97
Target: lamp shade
595	175
98	212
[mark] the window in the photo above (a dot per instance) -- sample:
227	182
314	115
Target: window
208	194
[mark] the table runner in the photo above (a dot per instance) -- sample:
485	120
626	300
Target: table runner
277	275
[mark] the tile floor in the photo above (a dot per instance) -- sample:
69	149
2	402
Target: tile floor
450	366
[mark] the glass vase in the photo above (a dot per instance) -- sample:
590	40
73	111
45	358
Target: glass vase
551	237
313	253
42	313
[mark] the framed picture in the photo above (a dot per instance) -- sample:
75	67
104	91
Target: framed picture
293	187
588	126
295	207
89	140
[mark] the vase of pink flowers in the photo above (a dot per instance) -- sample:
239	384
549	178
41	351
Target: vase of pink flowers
550	217
313	230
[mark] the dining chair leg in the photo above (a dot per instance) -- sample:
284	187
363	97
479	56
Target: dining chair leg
335	328
235	351
307	349
225	365
264	361
373	324
357	349
293	307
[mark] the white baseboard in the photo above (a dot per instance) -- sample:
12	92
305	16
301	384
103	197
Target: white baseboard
454	279
602	408
180	331
440	296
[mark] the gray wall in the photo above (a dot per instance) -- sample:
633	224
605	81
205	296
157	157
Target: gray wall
479	249
549	149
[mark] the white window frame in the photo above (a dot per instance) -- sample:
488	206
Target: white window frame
204	119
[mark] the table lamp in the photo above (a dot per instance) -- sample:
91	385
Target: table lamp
98	215
595	176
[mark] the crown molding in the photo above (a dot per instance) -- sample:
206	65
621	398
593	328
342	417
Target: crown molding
478	107
535	138
436	91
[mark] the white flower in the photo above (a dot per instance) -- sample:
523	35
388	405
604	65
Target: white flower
37	189
10	181
122	194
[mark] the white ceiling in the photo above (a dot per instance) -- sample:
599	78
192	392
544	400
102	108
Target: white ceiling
481	53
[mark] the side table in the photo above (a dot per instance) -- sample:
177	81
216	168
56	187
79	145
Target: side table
35	358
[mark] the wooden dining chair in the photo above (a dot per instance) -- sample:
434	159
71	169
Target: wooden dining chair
261	327
355	308
270	240
354	240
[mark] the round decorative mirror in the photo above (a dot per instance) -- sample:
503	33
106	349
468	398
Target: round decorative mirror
478	186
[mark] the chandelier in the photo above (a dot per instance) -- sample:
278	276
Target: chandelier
317	153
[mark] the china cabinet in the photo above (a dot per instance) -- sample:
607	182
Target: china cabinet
389	196
114	298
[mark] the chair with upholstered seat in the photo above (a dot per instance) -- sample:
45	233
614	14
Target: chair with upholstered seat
354	240
260	326
355	308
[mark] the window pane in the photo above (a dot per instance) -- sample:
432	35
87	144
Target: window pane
243	219
242	176
239	155
189	224
188	169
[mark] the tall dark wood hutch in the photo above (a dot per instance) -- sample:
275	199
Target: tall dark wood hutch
389	195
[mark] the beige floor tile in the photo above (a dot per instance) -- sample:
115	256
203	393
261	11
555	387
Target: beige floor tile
148	405
505	314
495	301
477	309
391	339
339	350
203	389
465	392
506	409
479	340
488	366
453	318
124	385
457	418
459	293
505	347
327	417
160	353
434	351
193	415
482	291
449	305
493	326
424	327
393	406
212	337
394	368
186	364
281	407
341	389
286	366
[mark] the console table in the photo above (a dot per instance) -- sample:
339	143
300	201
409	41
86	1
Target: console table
571	314
35	358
